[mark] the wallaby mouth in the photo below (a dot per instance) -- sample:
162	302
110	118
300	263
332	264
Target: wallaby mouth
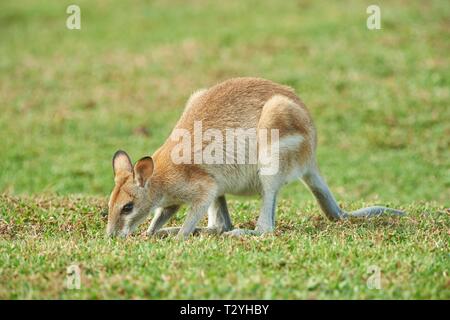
112	232
116	234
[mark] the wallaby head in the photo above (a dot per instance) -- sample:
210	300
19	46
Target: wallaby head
133	197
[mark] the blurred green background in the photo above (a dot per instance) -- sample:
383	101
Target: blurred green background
70	98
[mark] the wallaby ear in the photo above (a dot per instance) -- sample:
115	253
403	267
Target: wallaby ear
121	161
143	170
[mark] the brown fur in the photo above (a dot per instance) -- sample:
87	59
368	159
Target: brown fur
247	103
235	103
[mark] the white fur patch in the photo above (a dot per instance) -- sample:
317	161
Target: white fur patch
290	143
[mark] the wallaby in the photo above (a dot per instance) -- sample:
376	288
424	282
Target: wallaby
161	183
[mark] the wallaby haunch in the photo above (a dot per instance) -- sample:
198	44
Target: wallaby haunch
163	182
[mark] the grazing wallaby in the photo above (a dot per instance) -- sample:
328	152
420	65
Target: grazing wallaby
177	174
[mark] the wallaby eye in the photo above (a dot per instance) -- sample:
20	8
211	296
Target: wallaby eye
127	208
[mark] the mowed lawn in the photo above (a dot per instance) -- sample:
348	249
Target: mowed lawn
70	98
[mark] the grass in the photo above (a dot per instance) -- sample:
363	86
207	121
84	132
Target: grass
306	258
69	99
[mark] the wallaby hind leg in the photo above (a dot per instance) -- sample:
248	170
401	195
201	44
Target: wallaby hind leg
329	205
266	220
218	216
322	193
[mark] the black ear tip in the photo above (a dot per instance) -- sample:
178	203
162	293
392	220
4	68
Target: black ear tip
116	157
119	152
146	158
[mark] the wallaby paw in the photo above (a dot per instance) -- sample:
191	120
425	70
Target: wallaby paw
396	212
165	232
238	233
208	231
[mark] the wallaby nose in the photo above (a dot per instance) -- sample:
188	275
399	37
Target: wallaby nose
110	232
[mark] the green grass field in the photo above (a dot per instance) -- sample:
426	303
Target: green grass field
70	98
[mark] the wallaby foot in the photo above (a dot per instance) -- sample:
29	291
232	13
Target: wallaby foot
238	233
374	211
165	232
209	230
172	231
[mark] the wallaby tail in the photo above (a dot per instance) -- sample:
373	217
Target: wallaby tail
328	203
